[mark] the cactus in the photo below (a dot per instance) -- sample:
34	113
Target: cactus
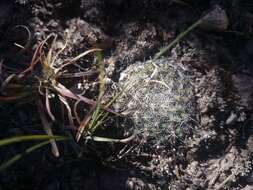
160	99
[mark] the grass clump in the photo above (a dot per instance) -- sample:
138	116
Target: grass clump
45	82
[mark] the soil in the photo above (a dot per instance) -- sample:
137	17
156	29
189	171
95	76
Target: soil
216	154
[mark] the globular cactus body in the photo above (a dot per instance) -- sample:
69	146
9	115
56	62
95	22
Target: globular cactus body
159	99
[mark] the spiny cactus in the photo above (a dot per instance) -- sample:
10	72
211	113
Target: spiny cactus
160	99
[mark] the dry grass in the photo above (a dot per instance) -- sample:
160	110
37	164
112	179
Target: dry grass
42	83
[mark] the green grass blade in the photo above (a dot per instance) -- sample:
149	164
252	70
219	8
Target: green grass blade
105	139
19	156
177	39
29	150
96	113
18	139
